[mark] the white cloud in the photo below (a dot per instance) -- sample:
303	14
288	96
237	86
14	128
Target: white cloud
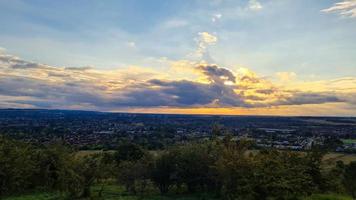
216	17
254	5
131	44
174	23
344	8
205	40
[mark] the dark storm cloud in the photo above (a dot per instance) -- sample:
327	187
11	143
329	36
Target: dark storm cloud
46	92
181	94
217	74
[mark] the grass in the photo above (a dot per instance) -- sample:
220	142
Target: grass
36	196
331	158
349	141
114	193
328	197
84	153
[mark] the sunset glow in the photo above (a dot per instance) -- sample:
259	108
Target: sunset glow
199	57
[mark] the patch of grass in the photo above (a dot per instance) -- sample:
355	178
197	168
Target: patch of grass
332	158
328	197
84	153
115	192
36	196
349	141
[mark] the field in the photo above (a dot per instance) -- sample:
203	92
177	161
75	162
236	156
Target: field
327	197
114	192
349	141
117	193
332	158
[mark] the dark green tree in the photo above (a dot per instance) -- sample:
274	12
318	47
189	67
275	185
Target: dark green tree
350	179
128	152
164	173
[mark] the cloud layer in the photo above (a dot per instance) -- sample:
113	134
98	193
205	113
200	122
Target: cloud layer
26	84
344	8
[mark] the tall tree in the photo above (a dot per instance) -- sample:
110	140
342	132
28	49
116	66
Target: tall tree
350	178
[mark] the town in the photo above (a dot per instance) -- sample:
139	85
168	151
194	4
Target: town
87	130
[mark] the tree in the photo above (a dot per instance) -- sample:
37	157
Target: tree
164	172
89	171
24	167
313	163
194	166
280	175
335	178
106	170
235	170
58	169
134	175
17	166
350	179
128	152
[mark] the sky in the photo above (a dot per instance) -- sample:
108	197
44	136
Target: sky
238	57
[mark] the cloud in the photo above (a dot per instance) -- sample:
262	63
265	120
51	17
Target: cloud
17	63
286	76
216	17
131	44
217	74
217	92
174	23
301	98
181	94
254	5
344	8
79	68
135	87
205	40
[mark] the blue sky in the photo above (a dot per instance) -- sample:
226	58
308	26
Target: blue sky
284	35
268	37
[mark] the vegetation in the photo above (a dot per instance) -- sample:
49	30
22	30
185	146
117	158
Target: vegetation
349	141
221	168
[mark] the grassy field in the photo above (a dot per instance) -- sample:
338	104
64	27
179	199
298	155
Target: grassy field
36	196
114	192
327	197
332	158
112	195
349	141
83	153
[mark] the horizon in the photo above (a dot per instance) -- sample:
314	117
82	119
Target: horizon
216	57
198	114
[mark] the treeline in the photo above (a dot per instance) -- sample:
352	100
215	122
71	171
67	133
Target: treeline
224	168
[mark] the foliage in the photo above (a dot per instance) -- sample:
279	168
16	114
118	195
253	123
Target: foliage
17	168
128	152
222	167
135	175
350	178
164	172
